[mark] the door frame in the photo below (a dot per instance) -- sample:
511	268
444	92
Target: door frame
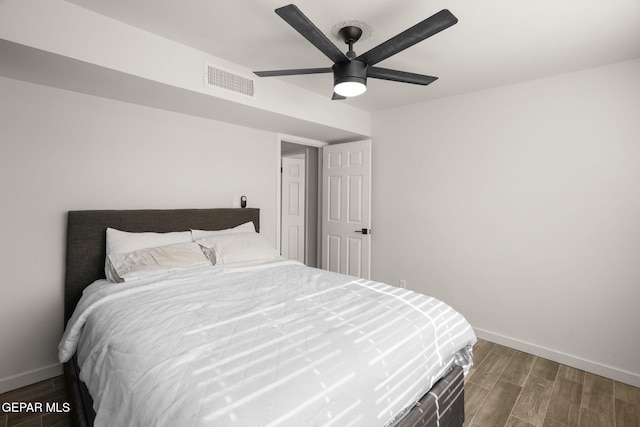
280	137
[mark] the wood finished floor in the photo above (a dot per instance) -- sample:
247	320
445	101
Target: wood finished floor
509	388
505	388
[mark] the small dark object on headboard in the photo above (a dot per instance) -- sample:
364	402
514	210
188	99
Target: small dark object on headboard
86	237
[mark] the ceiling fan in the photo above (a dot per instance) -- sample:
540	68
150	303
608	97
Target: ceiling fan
350	72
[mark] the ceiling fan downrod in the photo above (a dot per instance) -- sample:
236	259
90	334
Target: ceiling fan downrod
350	35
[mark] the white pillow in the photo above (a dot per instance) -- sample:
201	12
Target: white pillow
238	248
122	242
242	228
162	259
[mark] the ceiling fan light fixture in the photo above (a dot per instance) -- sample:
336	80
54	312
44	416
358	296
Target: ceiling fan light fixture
350	78
350	88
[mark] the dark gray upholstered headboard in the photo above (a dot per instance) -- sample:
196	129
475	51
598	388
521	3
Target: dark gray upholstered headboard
86	237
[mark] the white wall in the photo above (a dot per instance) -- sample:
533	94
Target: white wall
63	151
520	206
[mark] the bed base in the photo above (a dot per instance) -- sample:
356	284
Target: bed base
442	406
82	413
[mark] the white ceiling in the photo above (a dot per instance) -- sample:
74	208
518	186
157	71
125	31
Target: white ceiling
494	43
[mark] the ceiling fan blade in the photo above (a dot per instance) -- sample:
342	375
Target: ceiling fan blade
275	73
337	97
400	76
294	17
430	26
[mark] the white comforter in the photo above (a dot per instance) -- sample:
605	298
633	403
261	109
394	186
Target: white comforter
276	344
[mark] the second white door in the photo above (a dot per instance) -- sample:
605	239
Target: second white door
293	212
346	211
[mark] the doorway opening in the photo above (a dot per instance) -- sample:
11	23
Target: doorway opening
299	199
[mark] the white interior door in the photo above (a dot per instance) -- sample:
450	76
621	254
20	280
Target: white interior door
293	212
346	211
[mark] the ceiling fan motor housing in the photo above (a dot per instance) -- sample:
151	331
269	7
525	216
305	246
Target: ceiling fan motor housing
350	71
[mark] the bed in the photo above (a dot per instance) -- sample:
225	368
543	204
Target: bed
306	385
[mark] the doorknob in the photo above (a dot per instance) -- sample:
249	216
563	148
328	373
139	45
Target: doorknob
364	231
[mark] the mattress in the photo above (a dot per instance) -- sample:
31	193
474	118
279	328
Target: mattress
271	344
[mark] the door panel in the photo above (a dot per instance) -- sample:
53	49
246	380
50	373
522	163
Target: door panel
293	245
354	248
346	173
334	198
333	253
355	198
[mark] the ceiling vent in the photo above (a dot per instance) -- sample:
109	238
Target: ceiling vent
219	78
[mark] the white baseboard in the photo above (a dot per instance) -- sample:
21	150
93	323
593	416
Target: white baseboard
620	375
31	377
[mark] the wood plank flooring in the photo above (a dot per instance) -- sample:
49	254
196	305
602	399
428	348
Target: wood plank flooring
509	388
505	388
